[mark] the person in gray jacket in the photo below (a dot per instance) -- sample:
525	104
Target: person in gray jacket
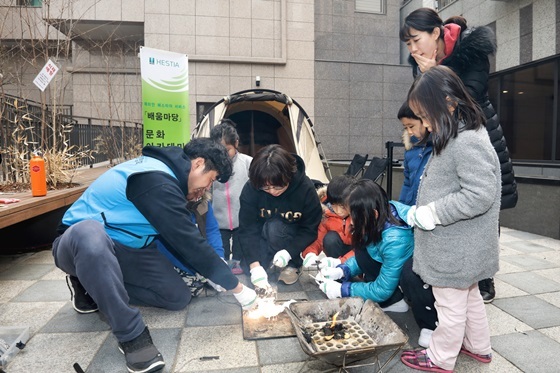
456	215
226	195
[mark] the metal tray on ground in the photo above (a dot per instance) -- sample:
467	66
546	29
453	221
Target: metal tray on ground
382	334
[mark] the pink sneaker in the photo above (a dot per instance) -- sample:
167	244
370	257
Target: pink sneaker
482	358
419	360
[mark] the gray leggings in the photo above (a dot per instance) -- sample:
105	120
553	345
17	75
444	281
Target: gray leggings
116	276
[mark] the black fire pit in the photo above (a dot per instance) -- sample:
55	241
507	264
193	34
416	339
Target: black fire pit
364	331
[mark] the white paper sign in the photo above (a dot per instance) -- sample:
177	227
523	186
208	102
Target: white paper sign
45	76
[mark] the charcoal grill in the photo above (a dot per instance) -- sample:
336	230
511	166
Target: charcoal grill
370	330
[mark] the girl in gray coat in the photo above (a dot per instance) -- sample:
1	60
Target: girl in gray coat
456	215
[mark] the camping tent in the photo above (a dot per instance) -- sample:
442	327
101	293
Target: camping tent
265	117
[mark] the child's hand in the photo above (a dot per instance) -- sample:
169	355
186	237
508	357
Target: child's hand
281	258
331	288
259	278
332	273
329	262
309	260
424	217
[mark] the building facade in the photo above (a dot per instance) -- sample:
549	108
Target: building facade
341	60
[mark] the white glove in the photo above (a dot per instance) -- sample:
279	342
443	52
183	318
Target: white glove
425	217
330	273
329	262
259	278
309	260
410	216
331	288
281	258
247	297
216	287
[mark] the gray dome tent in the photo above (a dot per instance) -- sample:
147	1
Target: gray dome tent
265	117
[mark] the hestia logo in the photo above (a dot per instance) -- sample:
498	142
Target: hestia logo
164	63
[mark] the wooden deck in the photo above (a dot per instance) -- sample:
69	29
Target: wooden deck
29	207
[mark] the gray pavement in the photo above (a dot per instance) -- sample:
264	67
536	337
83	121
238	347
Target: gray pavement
524	322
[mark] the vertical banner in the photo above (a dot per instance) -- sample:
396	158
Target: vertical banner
165	97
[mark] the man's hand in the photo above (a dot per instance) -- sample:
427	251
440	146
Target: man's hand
259	278
330	273
331	288
247	298
329	262
309	260
281	258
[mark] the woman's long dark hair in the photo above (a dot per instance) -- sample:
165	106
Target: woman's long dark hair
427	19
365	199
431	96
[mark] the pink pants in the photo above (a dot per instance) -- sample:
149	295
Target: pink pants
462	322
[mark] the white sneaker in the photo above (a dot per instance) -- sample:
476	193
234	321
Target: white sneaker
425	337
400	307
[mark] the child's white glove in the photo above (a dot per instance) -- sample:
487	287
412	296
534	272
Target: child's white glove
330	273
329	262
331	288
310	260
259	278
410	216
424	217
247	298
281	258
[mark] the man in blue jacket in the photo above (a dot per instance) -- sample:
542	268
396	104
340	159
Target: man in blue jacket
107	242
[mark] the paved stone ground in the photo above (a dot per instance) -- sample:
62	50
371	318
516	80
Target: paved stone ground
524	322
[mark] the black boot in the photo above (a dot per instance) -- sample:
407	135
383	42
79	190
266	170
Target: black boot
487	290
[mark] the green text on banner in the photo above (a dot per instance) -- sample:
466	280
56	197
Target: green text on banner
165	97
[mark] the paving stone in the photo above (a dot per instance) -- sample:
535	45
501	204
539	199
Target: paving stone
45	291
68	320
533	311
211	311
226	342
528	262
530	352
530	282
26	272
43	352
528	247
280	350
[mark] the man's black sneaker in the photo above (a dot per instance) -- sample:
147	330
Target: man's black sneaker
81	301
487	290
141	355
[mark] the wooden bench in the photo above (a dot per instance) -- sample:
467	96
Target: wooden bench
29	207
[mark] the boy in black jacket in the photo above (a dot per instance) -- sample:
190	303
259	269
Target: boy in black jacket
279	216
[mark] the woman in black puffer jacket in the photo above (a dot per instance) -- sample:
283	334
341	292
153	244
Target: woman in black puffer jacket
465	51
432	42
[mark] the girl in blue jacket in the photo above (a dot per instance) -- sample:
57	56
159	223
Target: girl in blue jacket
382	241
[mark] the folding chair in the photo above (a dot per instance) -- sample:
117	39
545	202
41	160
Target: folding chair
376	169
356	167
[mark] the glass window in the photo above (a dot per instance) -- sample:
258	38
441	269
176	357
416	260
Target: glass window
370	6
526	101
34	3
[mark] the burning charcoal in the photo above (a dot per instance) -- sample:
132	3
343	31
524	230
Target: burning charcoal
338	327
327	331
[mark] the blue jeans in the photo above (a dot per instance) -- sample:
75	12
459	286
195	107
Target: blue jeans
116	276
